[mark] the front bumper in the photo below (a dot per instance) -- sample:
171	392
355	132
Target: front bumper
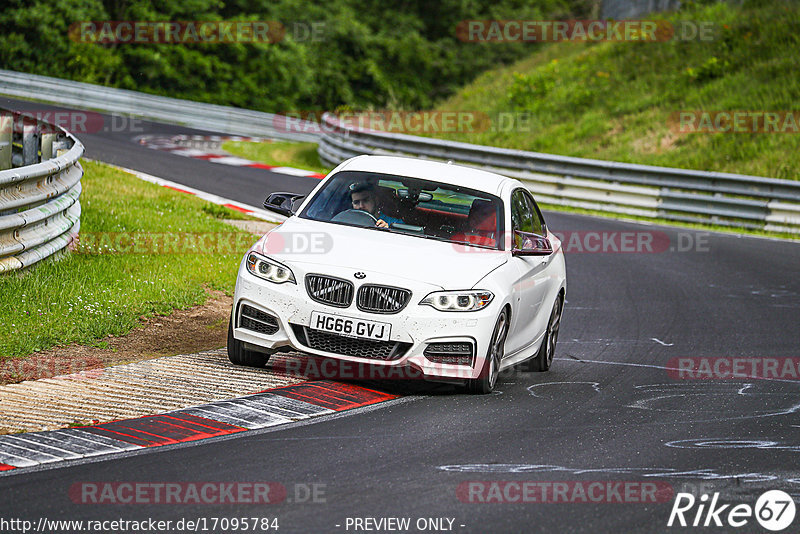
412	329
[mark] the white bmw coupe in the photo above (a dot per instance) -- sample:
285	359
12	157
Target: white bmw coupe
447	270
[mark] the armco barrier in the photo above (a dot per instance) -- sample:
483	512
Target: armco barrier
668	193
663	192
39	189
199	115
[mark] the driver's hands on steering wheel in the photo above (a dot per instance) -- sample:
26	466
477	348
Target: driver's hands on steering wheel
359	217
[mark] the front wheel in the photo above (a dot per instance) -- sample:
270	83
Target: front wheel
544	358
491	366
239	355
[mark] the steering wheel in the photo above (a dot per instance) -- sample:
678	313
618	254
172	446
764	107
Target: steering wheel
357	217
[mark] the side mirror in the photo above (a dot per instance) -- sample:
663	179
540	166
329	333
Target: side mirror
531	244
282	203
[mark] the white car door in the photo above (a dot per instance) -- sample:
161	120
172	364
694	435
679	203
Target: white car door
533	281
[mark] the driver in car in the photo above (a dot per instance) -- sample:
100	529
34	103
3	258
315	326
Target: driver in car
364	197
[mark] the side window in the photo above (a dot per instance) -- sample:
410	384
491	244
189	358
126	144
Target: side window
521	215
515	212
537	222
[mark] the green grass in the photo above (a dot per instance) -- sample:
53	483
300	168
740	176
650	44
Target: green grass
221	212
84	297
284	154
613	100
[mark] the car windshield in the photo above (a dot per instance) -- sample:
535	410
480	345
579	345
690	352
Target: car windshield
412	206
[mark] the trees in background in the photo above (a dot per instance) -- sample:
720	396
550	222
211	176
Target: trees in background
366	54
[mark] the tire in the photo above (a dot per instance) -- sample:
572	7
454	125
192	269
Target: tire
491	366
544	358
238	355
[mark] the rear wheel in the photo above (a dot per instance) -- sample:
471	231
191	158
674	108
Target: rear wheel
491	366
239	355
544	358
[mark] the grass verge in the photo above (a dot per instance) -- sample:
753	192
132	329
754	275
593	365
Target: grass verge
86	296
618	101
283	154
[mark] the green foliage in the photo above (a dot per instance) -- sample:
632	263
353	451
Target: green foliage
618	100
396	54
711	68
221	212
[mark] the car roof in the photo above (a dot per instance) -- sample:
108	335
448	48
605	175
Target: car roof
447	173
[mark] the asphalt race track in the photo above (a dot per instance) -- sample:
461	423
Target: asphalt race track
610	410
112	144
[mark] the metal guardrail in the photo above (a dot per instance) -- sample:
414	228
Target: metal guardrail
658	192
199	115
39	189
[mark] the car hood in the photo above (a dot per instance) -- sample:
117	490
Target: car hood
314	244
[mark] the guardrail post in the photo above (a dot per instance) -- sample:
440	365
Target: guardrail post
715	218
6	134
60	147
30	143
47	145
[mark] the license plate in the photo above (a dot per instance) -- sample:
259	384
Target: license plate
350	327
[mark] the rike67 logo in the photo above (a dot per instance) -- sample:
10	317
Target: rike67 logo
774	510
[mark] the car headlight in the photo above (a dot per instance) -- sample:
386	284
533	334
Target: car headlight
269	269
470	300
